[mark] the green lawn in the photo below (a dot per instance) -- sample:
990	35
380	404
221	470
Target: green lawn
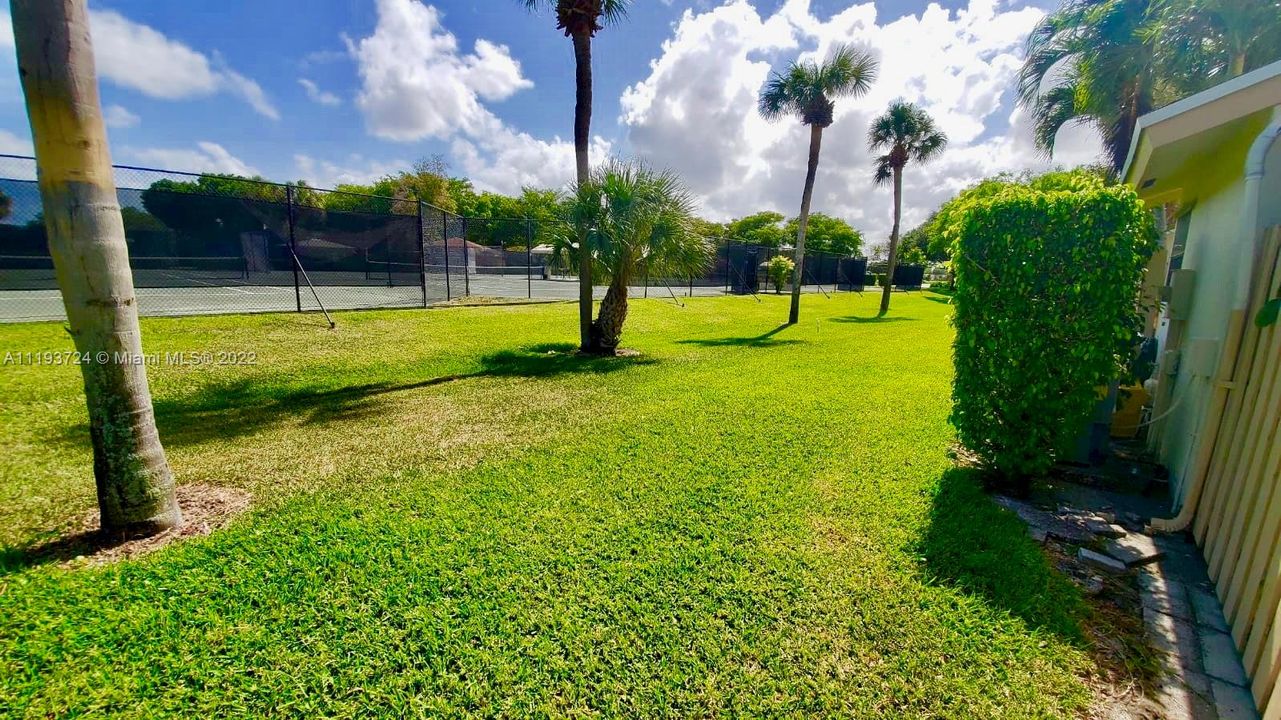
455	517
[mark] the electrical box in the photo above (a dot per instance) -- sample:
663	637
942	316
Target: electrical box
1169	362
1202	357
1182	283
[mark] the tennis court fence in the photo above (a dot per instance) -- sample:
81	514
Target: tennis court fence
204	244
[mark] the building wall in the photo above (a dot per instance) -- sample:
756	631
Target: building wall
1213	188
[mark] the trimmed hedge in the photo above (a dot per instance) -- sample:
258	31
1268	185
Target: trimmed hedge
1047	281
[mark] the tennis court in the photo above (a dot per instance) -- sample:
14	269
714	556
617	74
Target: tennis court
177	291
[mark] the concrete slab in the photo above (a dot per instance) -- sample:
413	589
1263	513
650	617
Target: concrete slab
1134	549
1219	654
1207	611
1232	702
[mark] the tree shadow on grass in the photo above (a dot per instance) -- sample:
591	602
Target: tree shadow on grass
975	546
873	319
246	405
766	339
941	299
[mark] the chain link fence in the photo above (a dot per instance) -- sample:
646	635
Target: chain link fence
206	244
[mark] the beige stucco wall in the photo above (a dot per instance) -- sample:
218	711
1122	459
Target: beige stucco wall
1213	186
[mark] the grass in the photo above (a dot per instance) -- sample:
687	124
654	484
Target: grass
453	516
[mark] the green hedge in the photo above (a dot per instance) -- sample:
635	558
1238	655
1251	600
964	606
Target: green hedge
1047	279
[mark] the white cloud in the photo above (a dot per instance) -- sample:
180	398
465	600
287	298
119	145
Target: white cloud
139	57
417	84
321	97
14	144
116	116
696	111
205	157
356	170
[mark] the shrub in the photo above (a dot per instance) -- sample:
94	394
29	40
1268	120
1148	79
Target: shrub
1047	280
779	269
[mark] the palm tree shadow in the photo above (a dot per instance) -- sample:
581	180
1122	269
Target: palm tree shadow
247	405
873	319
765	339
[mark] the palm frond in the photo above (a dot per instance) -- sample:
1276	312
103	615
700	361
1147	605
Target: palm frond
807	89
884	170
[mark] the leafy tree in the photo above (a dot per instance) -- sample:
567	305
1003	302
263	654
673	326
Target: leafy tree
923	244
87	241
828	234
641	222
762	228
6	205
907	134
581	20
780	268
711	230
808	90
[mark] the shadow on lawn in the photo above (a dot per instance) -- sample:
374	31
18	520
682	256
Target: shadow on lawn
973	545
873	319
766	339
231	409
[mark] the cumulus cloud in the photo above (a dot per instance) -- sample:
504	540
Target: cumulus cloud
141	58
116	116
356	170
417	83
209	157
695	112
318	96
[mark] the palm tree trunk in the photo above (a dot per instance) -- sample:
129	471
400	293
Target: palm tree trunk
582	140
608	328
816	142
91	262
893	253
1238	65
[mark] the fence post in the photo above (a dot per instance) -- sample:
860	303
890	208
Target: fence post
422	254
529	257
444	232
727	270
293	245
691	286
466	269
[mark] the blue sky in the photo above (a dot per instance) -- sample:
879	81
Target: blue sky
338	90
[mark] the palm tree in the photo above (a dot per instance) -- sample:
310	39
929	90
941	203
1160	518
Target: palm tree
1094	62
640	223
87	241
808	90
581	20
1218	39
905	133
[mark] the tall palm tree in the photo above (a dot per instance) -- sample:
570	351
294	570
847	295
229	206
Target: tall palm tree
581	20
640	223
905	133
91	262
1094	62
808	90
1218	39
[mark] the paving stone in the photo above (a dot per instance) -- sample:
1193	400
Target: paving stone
1172	599
1060	527
1219	654
1198	682
1103	528
1101	561
1177	638
1179	702
1206	609
1233	702
1134	550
